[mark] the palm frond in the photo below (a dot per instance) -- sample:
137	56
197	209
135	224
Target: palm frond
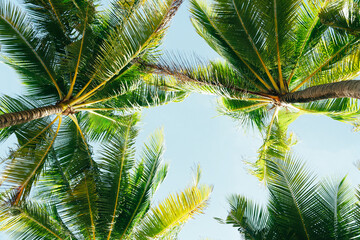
116	163
142	183
172	212
241	55
100	125
247	113
339	209
214	77
343	15
22	43
276	145
342	109
147	96
57	20
279	18
140	33
308	35
251	219
298	207
73	152
25	164
322	62
292	201
71	182
36	218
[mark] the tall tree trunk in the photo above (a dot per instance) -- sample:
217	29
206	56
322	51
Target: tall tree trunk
344	89
11	119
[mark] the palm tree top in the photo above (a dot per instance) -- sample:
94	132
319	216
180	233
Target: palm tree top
72	55
272	50
279	59
299	206
80	70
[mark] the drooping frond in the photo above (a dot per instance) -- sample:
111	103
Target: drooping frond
277	143
247	113
71	181
73	152
343	109
214	77
100	125
144	96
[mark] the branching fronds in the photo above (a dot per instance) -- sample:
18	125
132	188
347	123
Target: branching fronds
111	199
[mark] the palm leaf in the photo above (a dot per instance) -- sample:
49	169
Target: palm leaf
141	32
250	218
292	201
172	212
206	23
215	77
25	164
276	145
342	15
32	216
117	161
138	200
339	209
247	113
343	109
21	42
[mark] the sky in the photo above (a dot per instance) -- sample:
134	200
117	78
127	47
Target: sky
195	133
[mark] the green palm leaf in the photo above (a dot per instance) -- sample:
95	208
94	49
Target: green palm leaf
343	15
291	195
172	212
250	218
339	208
117	161
33	216
22	43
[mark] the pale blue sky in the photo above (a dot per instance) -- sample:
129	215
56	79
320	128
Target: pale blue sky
195	133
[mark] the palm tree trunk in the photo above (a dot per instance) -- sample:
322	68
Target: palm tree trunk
11	119
344	89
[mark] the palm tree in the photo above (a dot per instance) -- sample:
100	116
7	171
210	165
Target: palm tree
77	60
276	52
73	57
279	59
299	207
102	196
81	73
